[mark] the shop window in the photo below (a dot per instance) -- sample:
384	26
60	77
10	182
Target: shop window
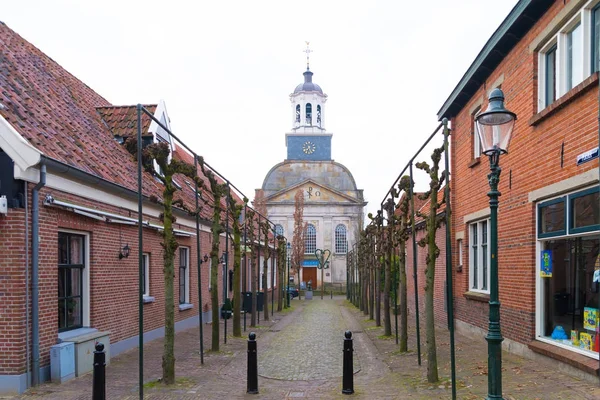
552	218
479	257
184	276
570	286
584	211
71	285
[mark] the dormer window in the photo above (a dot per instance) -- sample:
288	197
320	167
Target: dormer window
308	114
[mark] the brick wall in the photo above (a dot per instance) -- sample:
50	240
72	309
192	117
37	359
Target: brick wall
534	161
113	281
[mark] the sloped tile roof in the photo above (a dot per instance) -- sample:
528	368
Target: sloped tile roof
122	120
70	123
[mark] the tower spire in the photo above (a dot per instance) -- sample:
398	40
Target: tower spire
308	51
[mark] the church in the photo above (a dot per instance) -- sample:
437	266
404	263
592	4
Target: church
333	205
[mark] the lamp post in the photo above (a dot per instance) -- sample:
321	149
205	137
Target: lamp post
494	127
288	274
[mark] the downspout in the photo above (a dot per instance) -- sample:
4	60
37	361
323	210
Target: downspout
35	326
27	349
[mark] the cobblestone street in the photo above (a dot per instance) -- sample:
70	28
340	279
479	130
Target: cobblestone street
300	356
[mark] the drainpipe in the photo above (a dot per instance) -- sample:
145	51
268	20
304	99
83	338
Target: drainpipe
28	350
35	325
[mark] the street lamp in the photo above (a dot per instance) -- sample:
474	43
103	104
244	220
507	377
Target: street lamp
289	246
494	126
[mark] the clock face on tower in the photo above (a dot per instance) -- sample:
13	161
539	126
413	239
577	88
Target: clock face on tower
308	147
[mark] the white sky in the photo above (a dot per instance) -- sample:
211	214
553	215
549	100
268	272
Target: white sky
226	68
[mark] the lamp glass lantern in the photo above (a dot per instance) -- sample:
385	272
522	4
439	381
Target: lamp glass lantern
495	124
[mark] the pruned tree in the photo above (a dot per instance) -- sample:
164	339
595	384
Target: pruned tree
389	207
251	230
218	191
299	229
401	238
281	248
265	228
433	252
160	153
377	222
236	212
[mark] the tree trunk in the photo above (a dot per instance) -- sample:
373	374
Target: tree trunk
377	293
387	284
214	284
254	289
237	295
432	250
168	359
265	280
403	298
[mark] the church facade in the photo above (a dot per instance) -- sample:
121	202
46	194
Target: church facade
333	205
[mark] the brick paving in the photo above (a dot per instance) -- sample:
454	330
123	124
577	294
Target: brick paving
300	356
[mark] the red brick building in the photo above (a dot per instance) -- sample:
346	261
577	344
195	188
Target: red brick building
545	58
71	193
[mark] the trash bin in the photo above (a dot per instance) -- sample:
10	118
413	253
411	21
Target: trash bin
247	303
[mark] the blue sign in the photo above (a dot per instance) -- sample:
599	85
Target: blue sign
587	156
546	264
310	263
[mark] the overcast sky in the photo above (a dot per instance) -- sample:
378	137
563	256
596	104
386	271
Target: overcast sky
226	68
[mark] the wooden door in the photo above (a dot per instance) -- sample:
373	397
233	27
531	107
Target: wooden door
310	274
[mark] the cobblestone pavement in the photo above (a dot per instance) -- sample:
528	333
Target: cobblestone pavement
300	356
309	348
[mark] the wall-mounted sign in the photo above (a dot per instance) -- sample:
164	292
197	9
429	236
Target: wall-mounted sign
310	263
587	156
546	264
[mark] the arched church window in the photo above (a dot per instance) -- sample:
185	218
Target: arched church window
319	115
278	230
298	113
310	239
308	114
341	245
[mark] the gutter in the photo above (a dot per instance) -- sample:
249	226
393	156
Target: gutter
35	318
77	173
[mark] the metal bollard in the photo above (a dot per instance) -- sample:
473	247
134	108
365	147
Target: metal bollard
252	386
348	377
331	294
99	378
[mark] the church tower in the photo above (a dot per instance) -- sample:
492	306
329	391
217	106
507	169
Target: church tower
308	139
333	206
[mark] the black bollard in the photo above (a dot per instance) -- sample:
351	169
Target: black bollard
99	379
331	294
348	378
252	386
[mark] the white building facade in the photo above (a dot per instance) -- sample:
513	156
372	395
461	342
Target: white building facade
333	205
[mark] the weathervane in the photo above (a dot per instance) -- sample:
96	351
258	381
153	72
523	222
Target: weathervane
308	51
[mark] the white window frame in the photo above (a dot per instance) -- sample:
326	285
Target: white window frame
459	244
186	276
340	245
584	17
146	263
85	284
209	272
478	286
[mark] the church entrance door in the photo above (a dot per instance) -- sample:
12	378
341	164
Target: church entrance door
310	274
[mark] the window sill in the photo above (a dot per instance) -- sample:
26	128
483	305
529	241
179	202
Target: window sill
579	361
148	299
476	296
185	306
474	162
63	336
577	91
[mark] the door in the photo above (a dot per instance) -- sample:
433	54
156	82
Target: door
310	274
